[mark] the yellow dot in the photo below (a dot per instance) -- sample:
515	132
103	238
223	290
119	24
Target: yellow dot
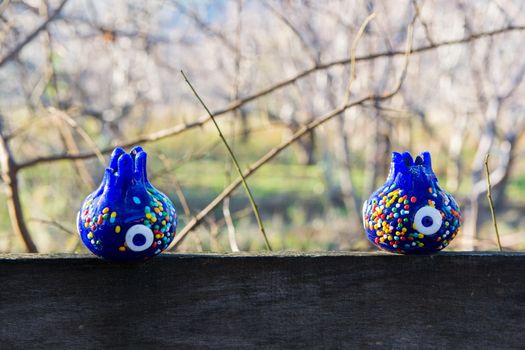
158	236
86	224
113	214
420	244
154	219
122	248
117	229
90	235
420	235
163	222
105	210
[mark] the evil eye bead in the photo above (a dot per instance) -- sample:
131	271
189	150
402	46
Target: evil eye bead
428	220
139	238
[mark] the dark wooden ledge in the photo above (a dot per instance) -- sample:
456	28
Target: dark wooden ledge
328	300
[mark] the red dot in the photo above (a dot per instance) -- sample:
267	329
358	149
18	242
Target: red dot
413	199
406	207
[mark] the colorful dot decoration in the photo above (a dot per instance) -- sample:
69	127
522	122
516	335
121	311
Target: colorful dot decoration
127	218
410	213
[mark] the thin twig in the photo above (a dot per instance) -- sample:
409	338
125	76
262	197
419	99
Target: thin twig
180	128
306	47
243	180
197	220
423	22
204	26
178	188
297	135
232	239
491	203
70	144
32	36
83	133
353	49
52	222
239	214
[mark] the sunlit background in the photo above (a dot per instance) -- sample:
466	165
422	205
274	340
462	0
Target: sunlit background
81	76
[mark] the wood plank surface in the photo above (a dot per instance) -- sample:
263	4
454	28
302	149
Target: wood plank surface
339	300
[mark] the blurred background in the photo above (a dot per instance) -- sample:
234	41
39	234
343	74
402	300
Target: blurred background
79	77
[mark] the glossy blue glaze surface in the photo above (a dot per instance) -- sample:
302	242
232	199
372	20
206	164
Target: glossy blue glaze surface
411	213
127	218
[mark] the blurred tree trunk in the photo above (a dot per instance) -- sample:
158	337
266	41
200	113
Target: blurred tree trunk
344	161
455	164
307	144
12	191
508	160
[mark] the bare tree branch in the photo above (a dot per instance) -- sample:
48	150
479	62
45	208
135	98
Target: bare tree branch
195	17
277	150
234	159
310	51
32	36
180	128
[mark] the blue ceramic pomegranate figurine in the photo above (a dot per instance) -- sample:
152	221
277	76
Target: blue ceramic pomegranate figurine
127	218
410	213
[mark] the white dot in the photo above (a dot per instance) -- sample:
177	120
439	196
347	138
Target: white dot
137	230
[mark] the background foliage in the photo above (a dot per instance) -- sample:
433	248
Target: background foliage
81	76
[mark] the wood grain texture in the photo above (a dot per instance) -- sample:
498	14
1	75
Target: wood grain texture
450	300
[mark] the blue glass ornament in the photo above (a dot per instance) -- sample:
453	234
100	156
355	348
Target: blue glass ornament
127	218
410	213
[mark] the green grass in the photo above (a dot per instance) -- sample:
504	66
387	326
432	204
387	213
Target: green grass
271	179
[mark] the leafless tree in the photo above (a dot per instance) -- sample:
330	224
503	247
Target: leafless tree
83	76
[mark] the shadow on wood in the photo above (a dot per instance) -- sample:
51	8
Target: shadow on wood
450	300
